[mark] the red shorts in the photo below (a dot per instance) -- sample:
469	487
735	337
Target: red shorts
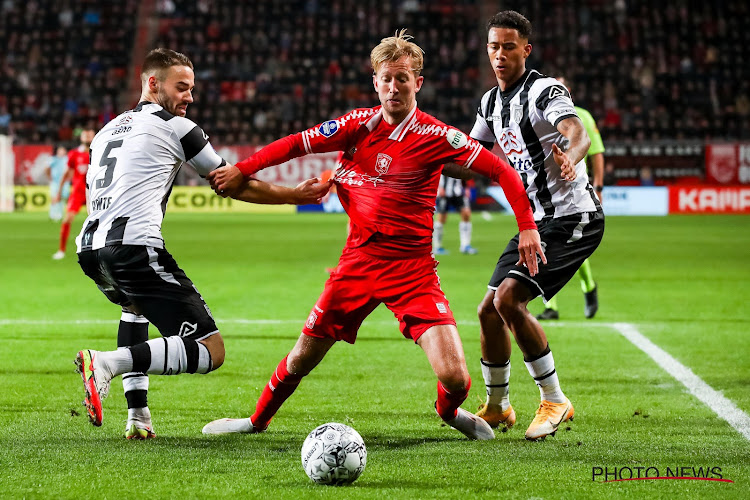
76	200
410	288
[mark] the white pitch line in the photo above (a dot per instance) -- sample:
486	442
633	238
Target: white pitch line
712	398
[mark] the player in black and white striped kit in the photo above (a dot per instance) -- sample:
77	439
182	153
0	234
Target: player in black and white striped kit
134	161
532	118
452	192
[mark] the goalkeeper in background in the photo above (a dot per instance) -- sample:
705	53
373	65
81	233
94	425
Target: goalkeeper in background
595	161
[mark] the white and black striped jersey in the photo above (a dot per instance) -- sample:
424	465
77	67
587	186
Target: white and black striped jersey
454	188
523	121
134	161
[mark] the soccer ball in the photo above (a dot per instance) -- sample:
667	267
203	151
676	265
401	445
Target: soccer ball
334	454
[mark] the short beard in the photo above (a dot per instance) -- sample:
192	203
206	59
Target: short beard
163	101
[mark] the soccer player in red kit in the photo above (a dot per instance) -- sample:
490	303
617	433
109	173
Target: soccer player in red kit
78	165
386	180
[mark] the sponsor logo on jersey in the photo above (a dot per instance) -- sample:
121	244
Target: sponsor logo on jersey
456	138
124	120
516	112
442	309
187	329
383	163
510	143
328	128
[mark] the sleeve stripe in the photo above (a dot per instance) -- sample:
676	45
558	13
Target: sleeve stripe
306	143
193	142
473	156
206	160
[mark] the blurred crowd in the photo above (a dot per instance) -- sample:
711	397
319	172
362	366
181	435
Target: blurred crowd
268	68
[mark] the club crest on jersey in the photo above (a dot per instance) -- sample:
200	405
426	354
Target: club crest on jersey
456	138
383	163
310	323
328	128
516	111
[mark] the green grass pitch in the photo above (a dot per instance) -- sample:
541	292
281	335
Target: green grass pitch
683	282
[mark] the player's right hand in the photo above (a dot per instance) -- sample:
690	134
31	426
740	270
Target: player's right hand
529	246
312	191
55	199
226	180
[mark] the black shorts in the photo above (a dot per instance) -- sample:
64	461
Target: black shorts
567	242
148	281
444	203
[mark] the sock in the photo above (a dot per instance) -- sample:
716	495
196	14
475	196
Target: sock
278	389
551	303
497	380
142	415
170	356
542	368
64	232
133	330
464	233
448	402
437	235
587	279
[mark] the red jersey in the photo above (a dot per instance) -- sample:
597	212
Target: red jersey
388	174
79	161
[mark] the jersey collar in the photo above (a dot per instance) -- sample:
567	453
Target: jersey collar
511	91
400	131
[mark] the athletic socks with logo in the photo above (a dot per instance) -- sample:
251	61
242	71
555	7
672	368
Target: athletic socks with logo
497	380
542	369
276	391
163	356
133	330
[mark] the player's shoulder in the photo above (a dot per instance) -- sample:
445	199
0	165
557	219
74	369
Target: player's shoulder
544	89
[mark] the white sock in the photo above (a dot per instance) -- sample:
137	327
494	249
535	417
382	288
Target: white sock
497	380
116	362
134	381
142	415
543	372
437	235
169	356
464	233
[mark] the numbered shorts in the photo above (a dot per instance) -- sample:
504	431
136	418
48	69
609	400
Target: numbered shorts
567	242
444	203
148	281
76	200
410	288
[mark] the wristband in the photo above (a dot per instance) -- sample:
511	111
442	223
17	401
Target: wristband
599	189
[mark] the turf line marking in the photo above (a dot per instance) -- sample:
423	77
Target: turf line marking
712	398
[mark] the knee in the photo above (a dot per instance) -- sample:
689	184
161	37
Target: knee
457	380
215	346
506	306
486	309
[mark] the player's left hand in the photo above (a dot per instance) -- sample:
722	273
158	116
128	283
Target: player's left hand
226	180
567	169
311	191
529	246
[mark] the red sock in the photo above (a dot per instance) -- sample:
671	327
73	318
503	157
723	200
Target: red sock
278	389
448	402
64	232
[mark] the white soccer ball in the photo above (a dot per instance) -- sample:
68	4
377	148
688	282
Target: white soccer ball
334	454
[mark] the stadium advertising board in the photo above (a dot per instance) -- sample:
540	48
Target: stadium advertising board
709	199
728	163
635	200
182	199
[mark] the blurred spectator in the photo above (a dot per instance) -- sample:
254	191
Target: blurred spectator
647	176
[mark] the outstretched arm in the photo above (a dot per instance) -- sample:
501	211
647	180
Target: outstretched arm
308	192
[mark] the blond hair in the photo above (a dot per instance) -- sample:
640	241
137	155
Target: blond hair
393	48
